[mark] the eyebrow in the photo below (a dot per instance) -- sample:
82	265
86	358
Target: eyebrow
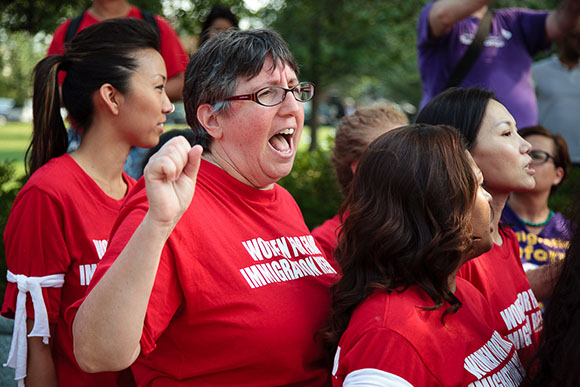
160	75
508	122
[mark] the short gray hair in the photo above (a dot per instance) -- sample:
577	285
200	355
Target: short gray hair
213	72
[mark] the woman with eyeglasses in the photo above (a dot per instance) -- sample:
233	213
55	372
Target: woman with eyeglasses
225	287
542	233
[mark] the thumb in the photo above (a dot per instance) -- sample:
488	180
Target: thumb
193	161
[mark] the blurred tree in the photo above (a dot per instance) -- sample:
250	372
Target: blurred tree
44	15
362	48
340	42
19	52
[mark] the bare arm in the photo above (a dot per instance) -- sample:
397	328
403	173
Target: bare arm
445	13
40	369
174	87
562	21
543	279
108	326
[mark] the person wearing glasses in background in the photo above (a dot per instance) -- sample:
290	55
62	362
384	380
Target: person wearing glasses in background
543	234
227	286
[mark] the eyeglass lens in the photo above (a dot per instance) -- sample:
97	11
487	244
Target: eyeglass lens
539	157
275	94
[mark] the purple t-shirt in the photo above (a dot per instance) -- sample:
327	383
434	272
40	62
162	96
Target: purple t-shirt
503	66
548	246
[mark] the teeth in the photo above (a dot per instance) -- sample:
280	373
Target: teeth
287	131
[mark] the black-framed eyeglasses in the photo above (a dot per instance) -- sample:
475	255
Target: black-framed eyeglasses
540	157
275	95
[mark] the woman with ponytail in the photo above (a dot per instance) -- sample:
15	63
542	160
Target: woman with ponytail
60	222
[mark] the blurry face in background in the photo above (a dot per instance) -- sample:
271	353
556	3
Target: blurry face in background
219	25
570	44
547	174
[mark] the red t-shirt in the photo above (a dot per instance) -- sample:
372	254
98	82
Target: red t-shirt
60	223
500	277
172	50
391	341
241	290
327	235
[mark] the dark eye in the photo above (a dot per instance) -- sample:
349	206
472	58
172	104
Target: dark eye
267	92
160	87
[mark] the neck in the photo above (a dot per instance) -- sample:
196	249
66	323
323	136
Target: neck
451	281
215	158
530	206
480	12
108	9
103	160
497	204
571	63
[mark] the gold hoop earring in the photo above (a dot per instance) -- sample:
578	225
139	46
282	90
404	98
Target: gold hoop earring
172	108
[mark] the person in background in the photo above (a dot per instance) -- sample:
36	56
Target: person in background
219	19
556	364
400	317
353	135
446	28
227	286
171	50
557	84
503	157
187	133
59	225
542	233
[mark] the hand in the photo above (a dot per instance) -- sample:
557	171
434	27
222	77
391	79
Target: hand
170	177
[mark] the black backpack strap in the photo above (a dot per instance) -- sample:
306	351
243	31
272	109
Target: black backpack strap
150	18
73	27
473	51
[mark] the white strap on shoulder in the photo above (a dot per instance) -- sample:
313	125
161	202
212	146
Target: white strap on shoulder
18	348
371	377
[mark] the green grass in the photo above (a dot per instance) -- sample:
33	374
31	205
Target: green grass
14	139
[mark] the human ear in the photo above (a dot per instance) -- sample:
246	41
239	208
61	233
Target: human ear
209	120
109	97
559	176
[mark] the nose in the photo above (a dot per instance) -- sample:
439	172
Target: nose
167	106
525	146
290	104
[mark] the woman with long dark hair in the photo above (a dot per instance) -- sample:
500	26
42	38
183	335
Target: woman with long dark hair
60	222
558	356
503	156
417	212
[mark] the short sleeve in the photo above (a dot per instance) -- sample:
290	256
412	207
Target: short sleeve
35	247
533	27
423	37
382	353
166	298
172	50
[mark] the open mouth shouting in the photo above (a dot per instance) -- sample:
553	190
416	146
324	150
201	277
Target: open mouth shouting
282	141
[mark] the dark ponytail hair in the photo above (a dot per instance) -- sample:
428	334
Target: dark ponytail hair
461	108
409	221
102	53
